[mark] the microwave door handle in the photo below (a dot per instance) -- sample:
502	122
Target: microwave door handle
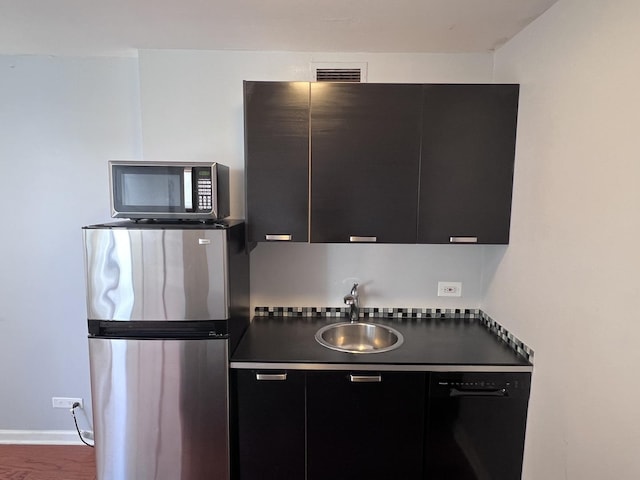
188	189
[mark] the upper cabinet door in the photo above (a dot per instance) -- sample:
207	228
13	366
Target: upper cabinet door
468	145
276	118
365	154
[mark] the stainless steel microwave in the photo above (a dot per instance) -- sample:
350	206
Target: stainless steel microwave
169	190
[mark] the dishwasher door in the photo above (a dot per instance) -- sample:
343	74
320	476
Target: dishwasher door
476	426
160	408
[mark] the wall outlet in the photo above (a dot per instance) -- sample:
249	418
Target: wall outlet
66	402
449	289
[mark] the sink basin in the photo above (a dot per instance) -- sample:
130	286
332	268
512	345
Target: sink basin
359	337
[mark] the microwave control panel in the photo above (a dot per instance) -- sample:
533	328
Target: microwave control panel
204	188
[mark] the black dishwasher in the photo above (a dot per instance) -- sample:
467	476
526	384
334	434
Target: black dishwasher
476	425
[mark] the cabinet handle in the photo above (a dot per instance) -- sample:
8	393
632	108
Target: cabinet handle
278	238
271	376
463	239
355	238
365	378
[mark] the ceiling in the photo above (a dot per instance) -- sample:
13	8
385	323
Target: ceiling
121	27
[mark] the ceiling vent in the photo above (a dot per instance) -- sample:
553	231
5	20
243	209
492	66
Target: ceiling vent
325	72
338	75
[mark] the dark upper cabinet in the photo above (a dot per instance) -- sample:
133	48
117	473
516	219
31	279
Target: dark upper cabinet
392	163
276	116
468	144
365	154
270	426
365	426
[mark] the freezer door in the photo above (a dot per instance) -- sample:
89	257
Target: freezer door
156	274
160	409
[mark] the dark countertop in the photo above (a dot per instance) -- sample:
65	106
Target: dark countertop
435	344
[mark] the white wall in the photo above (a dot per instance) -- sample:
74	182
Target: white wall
569	281
61	119
192	109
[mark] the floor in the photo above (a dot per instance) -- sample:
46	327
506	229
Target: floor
47	462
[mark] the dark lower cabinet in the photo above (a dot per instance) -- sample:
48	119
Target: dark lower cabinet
364	426
270	419
339	425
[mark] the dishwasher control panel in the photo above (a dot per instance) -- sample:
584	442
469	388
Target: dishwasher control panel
443	384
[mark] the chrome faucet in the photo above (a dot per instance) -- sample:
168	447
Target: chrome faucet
352	301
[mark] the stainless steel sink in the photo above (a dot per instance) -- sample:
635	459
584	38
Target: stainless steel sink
359	337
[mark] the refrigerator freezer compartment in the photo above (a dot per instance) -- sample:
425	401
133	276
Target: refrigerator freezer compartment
156	274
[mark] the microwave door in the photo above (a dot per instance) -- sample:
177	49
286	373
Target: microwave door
151	190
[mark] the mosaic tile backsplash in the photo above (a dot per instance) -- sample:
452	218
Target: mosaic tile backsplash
502	333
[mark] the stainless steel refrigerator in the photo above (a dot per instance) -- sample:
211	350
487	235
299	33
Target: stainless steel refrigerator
166	305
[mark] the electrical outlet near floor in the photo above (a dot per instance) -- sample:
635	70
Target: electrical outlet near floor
66	402
449	289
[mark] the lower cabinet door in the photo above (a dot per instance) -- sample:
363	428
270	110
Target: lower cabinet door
270	419
365	425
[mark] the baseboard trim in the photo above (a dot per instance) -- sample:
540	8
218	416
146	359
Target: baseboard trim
39	437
